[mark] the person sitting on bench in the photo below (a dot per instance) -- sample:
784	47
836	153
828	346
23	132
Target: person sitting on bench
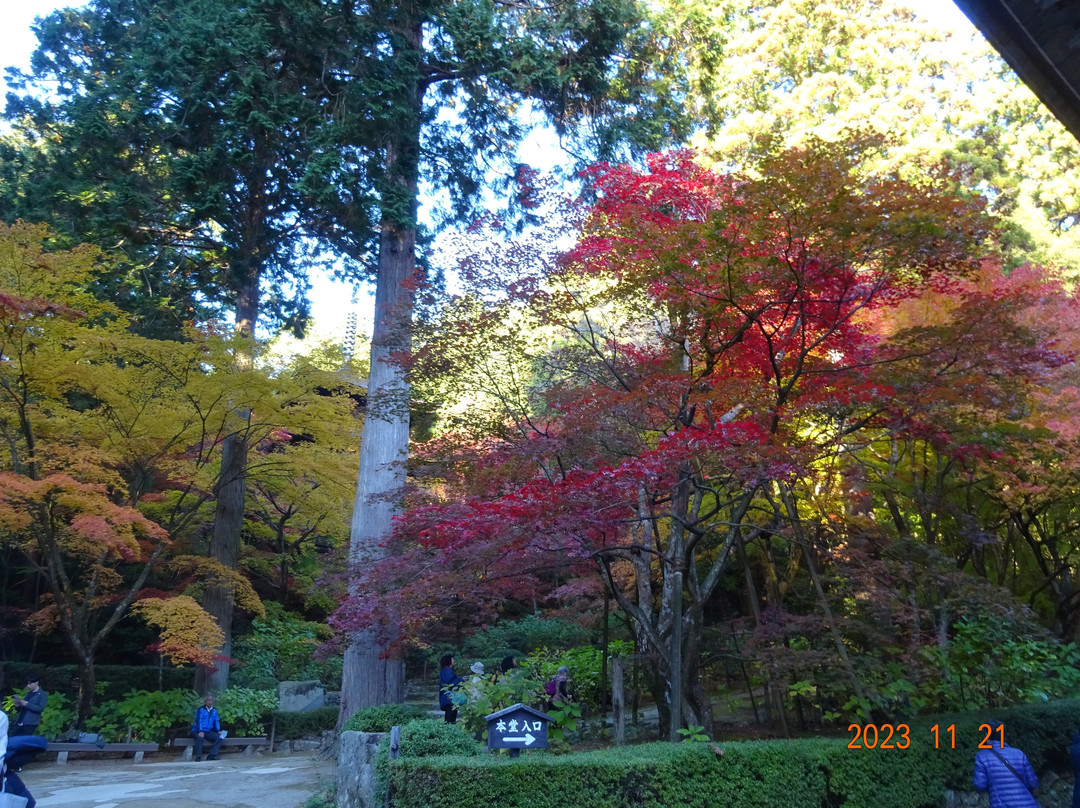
206	727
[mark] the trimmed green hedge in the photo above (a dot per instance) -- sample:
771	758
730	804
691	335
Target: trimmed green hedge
113	680
807	773
383	716
304	725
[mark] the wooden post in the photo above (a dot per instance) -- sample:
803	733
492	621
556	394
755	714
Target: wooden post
618	700
395	752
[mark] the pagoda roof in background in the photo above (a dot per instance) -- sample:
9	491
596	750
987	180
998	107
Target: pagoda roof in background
1040	40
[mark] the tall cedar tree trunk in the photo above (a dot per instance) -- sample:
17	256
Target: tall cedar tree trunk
373	674
231	486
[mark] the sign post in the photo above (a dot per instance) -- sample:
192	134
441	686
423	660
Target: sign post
517	727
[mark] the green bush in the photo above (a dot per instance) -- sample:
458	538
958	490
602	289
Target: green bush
433	737
990	666
586	669
521	637
150	715
305	725
485	697
246	712
325	797
384	716
281	647
426	738
810	773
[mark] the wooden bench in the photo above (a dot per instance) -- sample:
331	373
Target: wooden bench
62	749
249	744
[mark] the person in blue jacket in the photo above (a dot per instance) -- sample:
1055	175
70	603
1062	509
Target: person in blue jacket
1006	773
449	689
206	727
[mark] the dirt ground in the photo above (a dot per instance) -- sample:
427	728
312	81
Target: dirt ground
235	781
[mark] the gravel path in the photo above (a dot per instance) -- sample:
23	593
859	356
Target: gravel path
235	781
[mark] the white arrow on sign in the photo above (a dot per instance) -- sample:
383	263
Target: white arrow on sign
528	739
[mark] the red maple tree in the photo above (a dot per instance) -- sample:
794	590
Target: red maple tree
667	391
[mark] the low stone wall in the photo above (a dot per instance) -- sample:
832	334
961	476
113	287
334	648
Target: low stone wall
356	770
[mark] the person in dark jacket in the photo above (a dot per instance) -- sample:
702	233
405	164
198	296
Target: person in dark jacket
506	666
449	689
1006	773
30	708
206	726
1074	756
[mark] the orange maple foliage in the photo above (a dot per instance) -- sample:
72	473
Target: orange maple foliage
187	633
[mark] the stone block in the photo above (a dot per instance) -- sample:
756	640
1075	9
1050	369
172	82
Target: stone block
300	697
356	770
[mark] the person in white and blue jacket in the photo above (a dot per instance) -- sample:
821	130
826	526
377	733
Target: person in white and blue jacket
206	727
9	780
1006	773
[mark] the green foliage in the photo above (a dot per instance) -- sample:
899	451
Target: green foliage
987	665
153	716
564	719
693	733
281	648
586	669
433	737
382	717
425	738
305	725
522	637
150	715
812	773
245	711
486	697
323	798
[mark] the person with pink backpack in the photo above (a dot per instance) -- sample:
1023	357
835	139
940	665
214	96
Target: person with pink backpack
556	689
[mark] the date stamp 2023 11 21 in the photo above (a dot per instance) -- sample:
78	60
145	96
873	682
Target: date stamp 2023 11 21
898	736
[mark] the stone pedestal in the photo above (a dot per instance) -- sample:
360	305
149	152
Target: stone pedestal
356	770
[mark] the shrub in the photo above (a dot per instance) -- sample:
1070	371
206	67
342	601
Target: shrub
585	664
245	711
149	714
484	697
522	637
325	797
305	725
281	647
991	666
432	737
383	716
